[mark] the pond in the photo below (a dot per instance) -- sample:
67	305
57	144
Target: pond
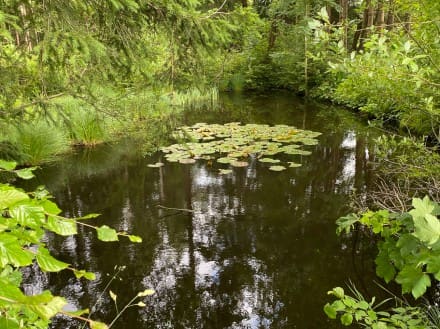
257	249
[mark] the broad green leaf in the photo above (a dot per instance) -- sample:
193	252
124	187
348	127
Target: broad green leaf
338	292
50	207
427	228
384	266
25	173
10	196
48	263
46	309
11	252
28	215
413	280
7	165
8	323
330	311
346	223
106	233
61	226
83	273
433	266
347	319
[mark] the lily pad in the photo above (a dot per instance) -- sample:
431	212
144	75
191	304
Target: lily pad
156	165
233	142
277	168
268	160
239	164
226	160
294	165
224	171
187	161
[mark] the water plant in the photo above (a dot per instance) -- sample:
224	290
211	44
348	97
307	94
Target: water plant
234	143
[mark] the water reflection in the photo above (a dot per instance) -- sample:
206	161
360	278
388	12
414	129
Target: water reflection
256	249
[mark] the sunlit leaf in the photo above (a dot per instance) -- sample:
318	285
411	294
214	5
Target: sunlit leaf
7	165
134	238
97	325
106	233
48	263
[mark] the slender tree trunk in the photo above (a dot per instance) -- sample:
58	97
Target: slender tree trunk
343	20
306	63
368	20
380	16
390	15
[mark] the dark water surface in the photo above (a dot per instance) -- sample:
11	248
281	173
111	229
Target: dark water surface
259	249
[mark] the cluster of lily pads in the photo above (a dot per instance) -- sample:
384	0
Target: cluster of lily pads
233	143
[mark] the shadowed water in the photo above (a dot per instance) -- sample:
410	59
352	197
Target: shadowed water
258	248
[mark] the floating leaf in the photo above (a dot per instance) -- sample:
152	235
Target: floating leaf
156	165
225	171
277	168
135	238
187	161
268	160
25	173
294	164
239	164
226	160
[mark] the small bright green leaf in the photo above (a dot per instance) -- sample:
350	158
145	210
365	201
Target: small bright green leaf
113	296
7	323
147	292
50	207
106	233
88	216
25	173
134	238
97	325
48	263
83	273
330	311
7	165
347	319
79	312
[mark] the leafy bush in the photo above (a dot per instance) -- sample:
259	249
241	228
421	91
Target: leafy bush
25	219
409	245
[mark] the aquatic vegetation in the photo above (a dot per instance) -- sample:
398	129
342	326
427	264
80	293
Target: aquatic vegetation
234	143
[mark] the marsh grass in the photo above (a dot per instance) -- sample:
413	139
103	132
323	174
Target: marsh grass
38	142
87	128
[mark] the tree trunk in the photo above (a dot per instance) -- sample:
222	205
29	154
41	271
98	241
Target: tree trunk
343	20
380	16
390	15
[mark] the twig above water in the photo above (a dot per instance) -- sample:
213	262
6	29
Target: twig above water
170	208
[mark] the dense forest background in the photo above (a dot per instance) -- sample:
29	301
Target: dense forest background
85	71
